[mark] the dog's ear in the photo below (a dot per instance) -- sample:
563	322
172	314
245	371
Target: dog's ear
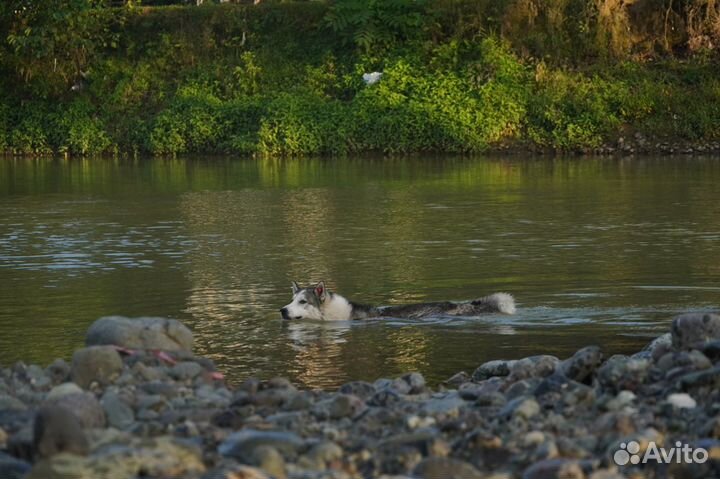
320	290
295	288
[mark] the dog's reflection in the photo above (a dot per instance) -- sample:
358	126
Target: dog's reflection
319	350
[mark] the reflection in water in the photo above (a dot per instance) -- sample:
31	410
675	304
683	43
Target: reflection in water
595	250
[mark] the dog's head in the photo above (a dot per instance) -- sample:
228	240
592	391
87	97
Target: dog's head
306	302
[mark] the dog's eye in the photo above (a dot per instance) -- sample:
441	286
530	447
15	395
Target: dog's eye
302	301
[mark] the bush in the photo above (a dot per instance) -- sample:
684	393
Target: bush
570	111
302	123
80	131
193	122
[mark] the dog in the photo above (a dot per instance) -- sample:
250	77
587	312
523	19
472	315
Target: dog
316	302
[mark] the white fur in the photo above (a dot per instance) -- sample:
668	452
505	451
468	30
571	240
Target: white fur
504	302
336	308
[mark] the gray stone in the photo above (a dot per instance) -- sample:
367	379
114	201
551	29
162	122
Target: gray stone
140	333
521	407
339	406
533	367
693	330
448	404
361	389
554	469
56	429
270	460
415	381
620	372
10	403
13	468
659	346
186	370
582	365
96	363
84	406
498	367
446	467
242	444
119	414
58	371
64	389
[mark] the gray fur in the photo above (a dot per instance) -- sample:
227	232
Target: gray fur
316	302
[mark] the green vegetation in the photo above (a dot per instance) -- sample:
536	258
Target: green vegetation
81	77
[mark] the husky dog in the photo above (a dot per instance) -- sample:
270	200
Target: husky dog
316	302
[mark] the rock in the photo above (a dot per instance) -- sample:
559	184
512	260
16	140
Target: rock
582	365
58	371
533	367
56	429
270	460
620	372
446	467
148	373
321	455
140	457
621	400
64	389
63	466
119	414
416	381
12	468
417	422
237	471
186	370
448	404
158	388
241	444
3	439
705	377
339	406
681	401
554	469
95	363
693	330
84	406
521	407
21	443
9	403
457	379
659	346
711	350
140	333
37	377
494	368
361	389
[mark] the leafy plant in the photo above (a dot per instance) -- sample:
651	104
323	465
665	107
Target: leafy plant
374	24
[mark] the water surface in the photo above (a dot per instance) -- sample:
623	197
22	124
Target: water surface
596	251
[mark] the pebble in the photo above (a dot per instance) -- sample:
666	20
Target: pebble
537	417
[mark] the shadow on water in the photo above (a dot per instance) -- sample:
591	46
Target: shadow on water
596	251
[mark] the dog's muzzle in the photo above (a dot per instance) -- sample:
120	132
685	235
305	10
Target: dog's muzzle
284	313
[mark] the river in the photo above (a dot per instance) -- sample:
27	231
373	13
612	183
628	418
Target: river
595	250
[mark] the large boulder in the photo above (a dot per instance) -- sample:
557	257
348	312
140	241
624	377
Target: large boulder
693	330
140	333
96	363
56	429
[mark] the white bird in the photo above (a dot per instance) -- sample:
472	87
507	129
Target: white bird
372	78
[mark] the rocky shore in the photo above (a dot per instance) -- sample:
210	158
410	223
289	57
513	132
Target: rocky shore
136	403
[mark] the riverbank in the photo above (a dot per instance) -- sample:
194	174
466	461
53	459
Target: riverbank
137	402
286	79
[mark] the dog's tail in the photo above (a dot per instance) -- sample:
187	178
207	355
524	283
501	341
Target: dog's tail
502	302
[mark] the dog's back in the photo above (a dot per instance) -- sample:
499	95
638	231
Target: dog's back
495	303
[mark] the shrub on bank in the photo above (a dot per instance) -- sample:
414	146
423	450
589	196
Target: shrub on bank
286	79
